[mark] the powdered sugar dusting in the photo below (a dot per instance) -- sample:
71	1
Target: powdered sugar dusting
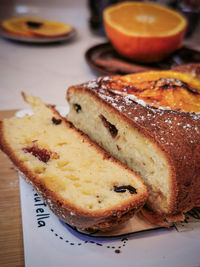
105	84
137	100
163	122
92	84
106	78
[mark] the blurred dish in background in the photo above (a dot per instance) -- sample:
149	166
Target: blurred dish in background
31	29
31	26
39	40
191	10
143	31
103	59
96	8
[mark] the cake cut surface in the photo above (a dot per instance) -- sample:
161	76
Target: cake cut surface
149	130
82	183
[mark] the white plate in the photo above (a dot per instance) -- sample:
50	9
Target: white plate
50	242
38	40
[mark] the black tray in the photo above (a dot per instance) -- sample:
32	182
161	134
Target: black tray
103	59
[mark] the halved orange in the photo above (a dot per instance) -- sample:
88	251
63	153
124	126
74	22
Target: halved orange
16	26
144	31
161	89
31	26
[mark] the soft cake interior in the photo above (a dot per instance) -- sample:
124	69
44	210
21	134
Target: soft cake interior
67	163
124	143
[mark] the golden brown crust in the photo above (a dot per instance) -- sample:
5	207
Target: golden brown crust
193	69
175	134
101	220
154	218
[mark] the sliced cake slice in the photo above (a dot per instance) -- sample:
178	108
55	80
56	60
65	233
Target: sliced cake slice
81	183
151	122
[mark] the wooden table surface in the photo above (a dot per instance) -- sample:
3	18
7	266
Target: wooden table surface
11	237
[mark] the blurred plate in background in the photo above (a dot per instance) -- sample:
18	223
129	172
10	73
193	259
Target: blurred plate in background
103	59
37	39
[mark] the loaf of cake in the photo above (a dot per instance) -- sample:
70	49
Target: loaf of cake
151	122
82	184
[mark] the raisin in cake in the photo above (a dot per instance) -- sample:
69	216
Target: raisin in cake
151	122
82	183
